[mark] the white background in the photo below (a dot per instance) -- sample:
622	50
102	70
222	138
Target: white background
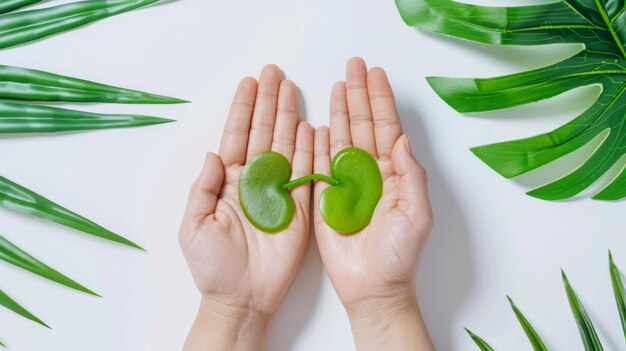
490	239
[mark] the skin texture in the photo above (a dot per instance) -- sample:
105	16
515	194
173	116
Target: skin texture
243	274
374	270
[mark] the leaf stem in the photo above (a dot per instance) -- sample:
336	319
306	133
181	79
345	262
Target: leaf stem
309	178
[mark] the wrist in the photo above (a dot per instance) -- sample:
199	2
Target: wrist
389	323
376	310
221	325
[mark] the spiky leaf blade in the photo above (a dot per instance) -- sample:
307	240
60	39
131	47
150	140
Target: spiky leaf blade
19	258
12	5
531	333
20	199
619	291
587	331
594	23
482	344
33	85
24	26
12	305
26	118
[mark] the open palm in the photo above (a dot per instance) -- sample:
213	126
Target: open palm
381	259
234	264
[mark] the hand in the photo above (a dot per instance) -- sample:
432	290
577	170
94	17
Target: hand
373	271
242	273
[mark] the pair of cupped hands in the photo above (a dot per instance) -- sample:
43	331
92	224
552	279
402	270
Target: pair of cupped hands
243	274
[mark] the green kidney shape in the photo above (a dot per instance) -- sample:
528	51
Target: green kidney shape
263	198
346	206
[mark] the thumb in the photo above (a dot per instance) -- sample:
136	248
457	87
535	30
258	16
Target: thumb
205	190
413	184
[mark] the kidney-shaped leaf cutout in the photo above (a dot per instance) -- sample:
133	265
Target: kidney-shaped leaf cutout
347	206
264	200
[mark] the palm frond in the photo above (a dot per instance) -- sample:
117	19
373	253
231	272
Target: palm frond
482	344
531	333
619	291
12	305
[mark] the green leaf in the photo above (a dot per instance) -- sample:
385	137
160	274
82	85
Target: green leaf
25	118
9	303
32	85
532	335
585	326
24	26
17	198
482	345
619	291
11	5
596	24
17	257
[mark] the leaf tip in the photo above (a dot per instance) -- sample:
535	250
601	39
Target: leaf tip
564	277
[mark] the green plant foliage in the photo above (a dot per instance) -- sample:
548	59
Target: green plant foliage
24	26
9	303
618	291
33	85
587	331
595	24
346	206
20	118
531	333
482	344
19	258
11	5
17	198
585	326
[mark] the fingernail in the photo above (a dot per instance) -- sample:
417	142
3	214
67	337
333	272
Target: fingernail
407	145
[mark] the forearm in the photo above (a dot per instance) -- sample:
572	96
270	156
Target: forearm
225	328
389	324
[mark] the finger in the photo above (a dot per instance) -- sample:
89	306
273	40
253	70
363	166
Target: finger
284	140
412	187
339	119
303	163
205	190
361	122
387	127
235	137
321	165
264	115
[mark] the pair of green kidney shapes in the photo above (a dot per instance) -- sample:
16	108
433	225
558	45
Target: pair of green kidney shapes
347	205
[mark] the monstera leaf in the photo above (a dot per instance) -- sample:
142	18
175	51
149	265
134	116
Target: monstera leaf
597	24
